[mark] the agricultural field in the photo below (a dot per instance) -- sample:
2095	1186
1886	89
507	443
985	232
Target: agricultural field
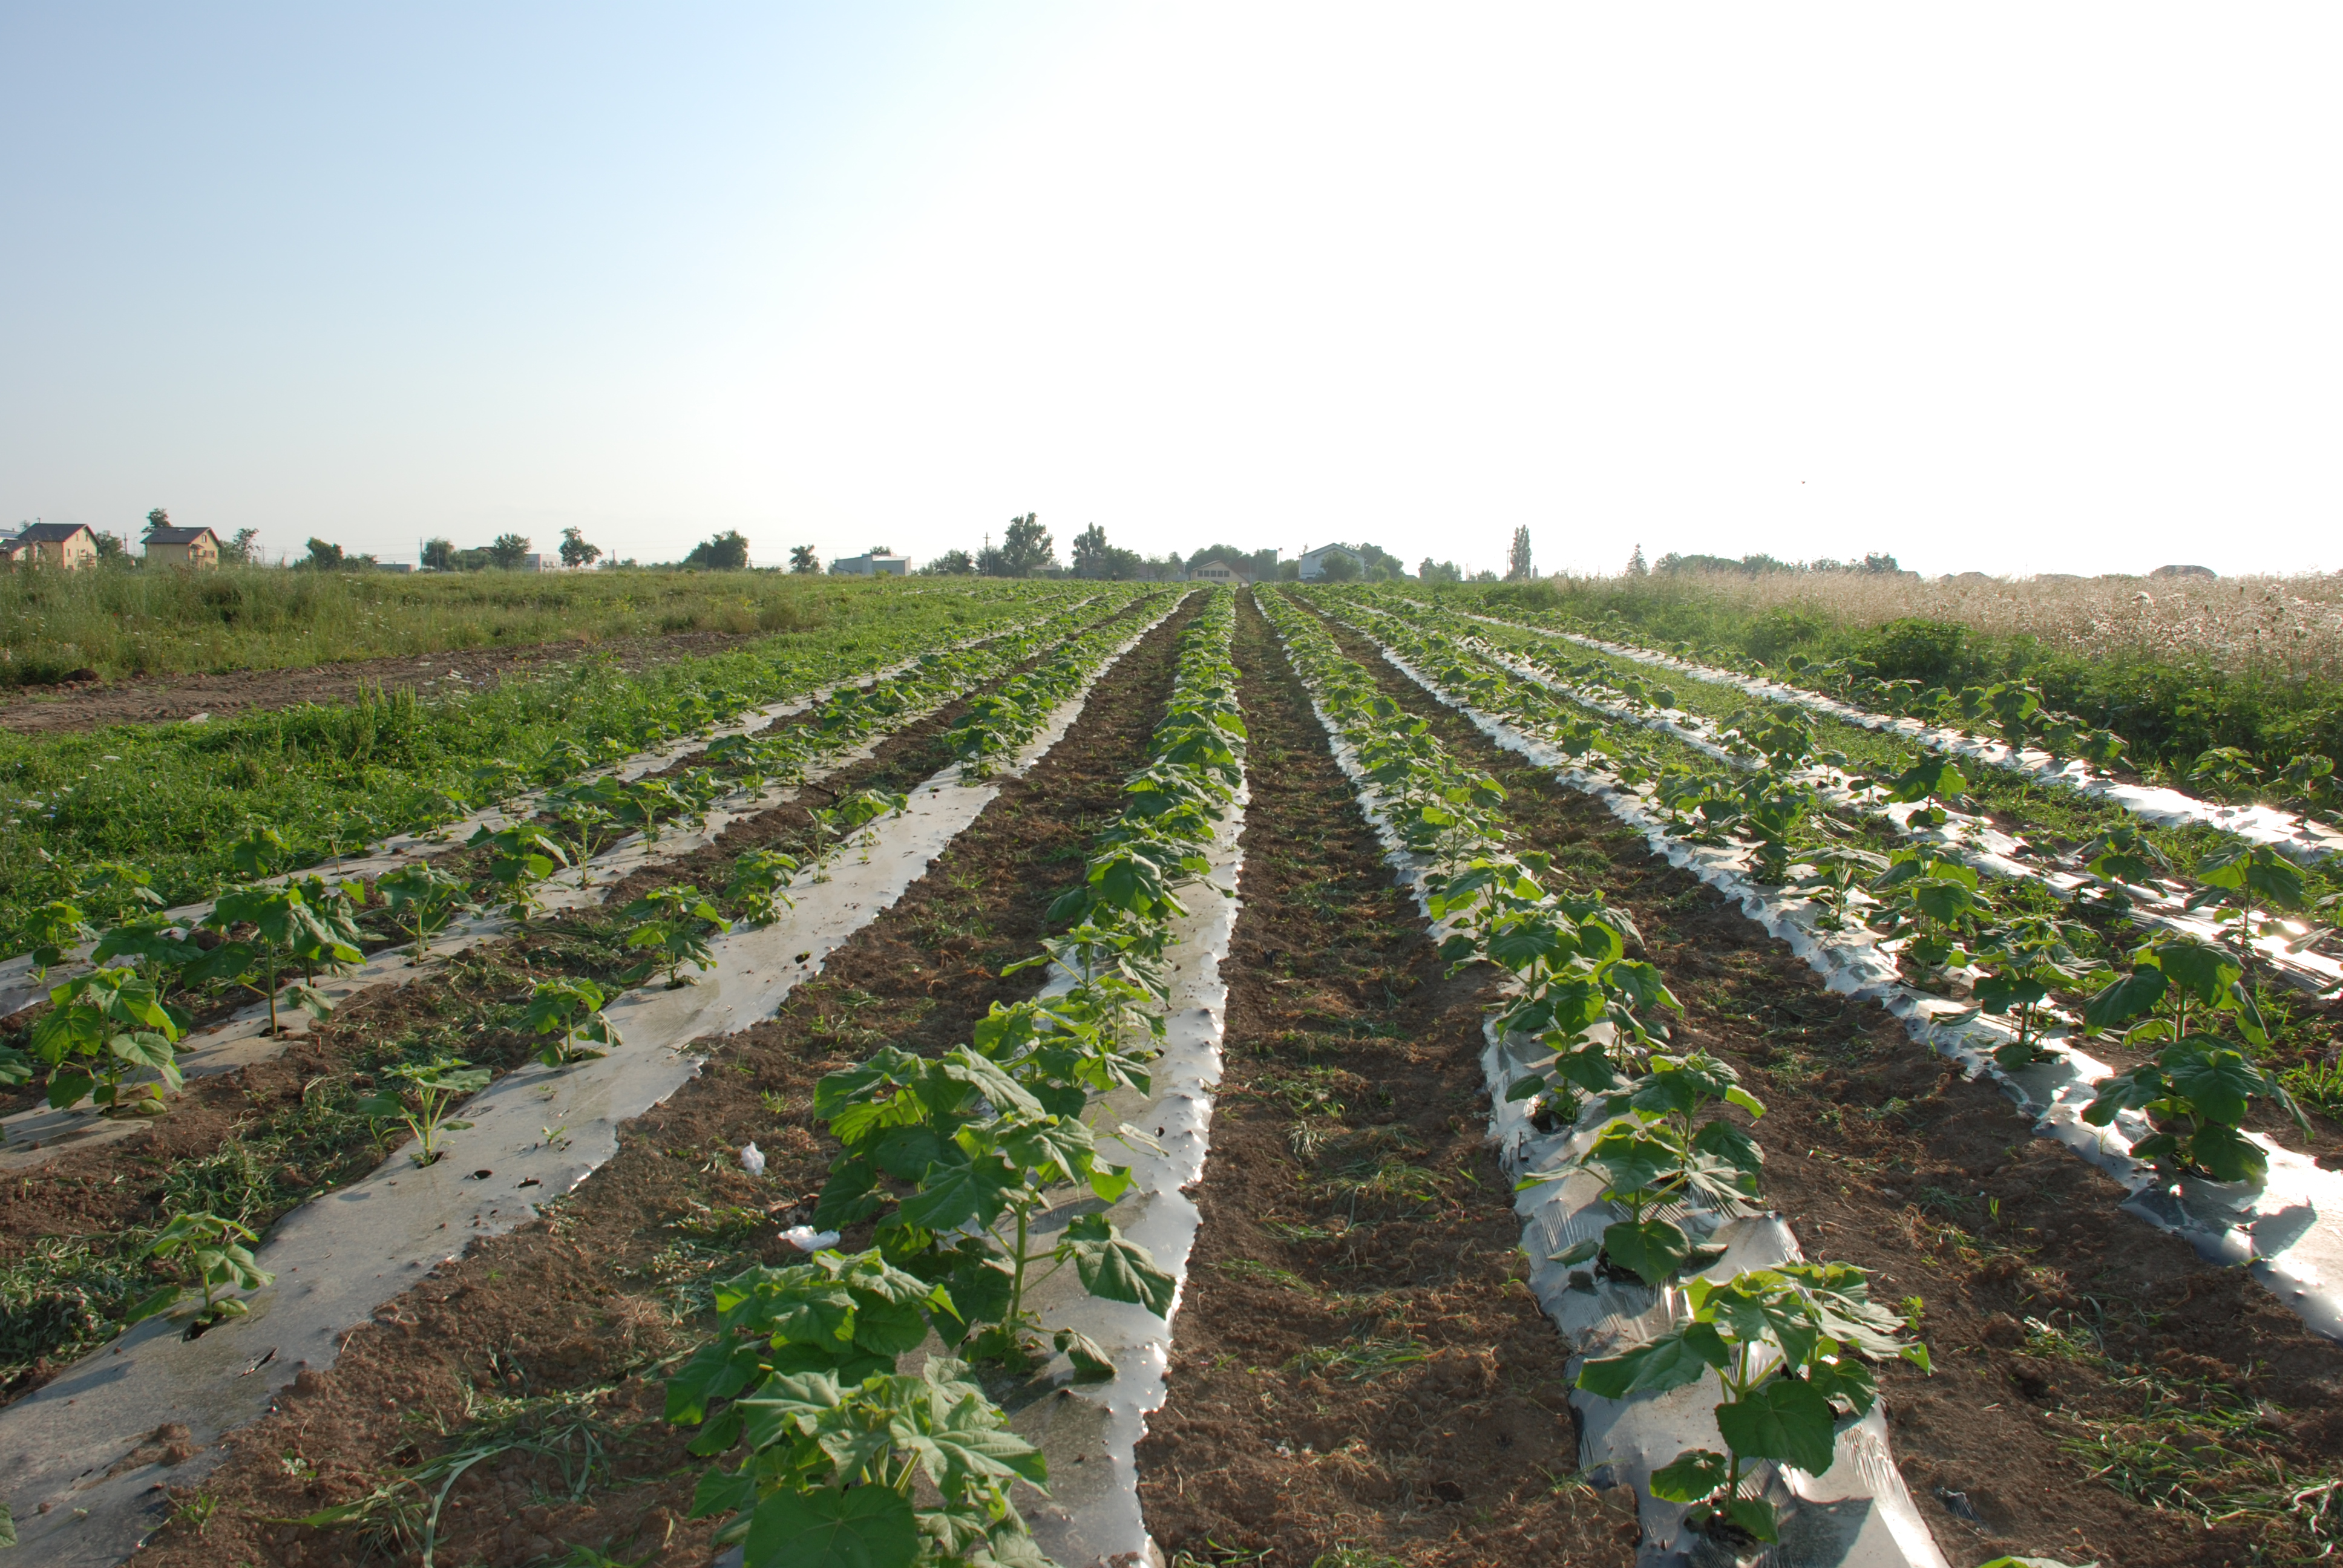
983	1072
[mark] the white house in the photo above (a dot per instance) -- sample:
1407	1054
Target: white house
870	566
1313	562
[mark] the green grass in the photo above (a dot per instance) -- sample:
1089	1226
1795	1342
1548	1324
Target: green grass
172	798
125	621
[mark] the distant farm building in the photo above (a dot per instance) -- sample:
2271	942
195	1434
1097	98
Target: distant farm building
1219	571
1313	562
871	566
67	545
182	548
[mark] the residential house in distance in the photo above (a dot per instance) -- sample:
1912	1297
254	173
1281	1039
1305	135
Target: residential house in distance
67	545
192	547
1217	570
870	566
1313	562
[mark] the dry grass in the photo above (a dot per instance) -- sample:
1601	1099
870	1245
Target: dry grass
2292	625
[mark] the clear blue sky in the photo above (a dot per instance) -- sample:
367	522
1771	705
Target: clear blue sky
2006	287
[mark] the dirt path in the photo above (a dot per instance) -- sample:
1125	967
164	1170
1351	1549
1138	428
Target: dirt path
95	703
1356	1362
578	1312
2068	1337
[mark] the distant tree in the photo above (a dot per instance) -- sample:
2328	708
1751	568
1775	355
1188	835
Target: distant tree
110	548
1879	561
726	552
1517	559
322	556
1381	565
439	555
1090	552
879	550
240	550
803	561
1289	571
576	551
1336	566
1485	576
1635	566
1027	549
157	519
508	553
1433	571
951	564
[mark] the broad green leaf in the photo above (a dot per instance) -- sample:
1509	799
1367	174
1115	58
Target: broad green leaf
1782	1418
951	1195
1672	1360
2127	998
860	1527
2220	1081
1756	1515
2204	972
1116	1269
1690	1476
2228	1154
1652	1251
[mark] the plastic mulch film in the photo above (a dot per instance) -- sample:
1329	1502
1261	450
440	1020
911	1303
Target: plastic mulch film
2288	1230
71	1464
1090	1431
2294	835
1858	1514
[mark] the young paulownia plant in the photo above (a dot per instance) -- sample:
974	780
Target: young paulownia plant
849	1462
220	1254
572	1009
287	932
673	925
1789	1345
104	1025
519	858
431	1090
759	885
985	1153
423	899
1659	1154
49	932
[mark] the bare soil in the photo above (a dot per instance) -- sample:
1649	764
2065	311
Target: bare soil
1357	1363
2055	1321
96	704
613	1283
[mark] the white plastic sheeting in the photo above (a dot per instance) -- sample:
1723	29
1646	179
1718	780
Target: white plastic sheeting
2297	837
2288	1230
1857	1514
70	1465
1090	1431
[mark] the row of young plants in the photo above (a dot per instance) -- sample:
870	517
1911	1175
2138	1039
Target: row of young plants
2203	1004
1789	1345
819	1448
171	797
2006	795
108	1028
667	930
2017	713
1921	794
